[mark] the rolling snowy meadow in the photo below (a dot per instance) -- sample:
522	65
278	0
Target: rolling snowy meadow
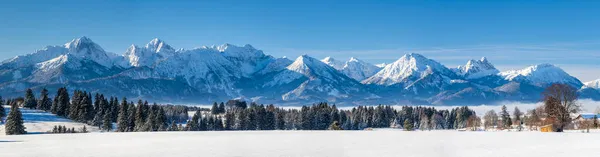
379	143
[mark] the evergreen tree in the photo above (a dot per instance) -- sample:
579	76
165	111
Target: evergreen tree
222	107
107	122
86	109
74	107
161	119
506	120
54	107
30	101
140	115
122	121
218	124
63	104
44	103
115	109
14	121
215	109
193	124
131	117
229	120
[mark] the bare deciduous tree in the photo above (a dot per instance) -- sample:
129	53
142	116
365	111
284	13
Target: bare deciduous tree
473	122
490	119
560	100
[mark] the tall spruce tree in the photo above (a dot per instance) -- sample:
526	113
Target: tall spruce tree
140	115
74	107
122	121
506	120
14	121
131	117
161	119
107	122
44	103
222	107
62	103
30	101
214	109
86	109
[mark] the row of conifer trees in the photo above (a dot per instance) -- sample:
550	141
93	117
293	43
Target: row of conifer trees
103	112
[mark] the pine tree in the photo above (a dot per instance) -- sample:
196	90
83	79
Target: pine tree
222	107
215	109
114	108
107	122
30	101
131	117
54	107
140	115
100	109
86	109
193	124
44	103
122	121
14	121
74	107
161	119
506	120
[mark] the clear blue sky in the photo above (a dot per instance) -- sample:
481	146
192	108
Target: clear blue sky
512	34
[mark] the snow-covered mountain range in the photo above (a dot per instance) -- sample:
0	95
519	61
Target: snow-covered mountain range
159	72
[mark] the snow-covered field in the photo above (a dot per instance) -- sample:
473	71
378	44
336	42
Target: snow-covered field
380	143
38	122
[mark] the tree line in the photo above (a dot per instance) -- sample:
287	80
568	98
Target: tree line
103	112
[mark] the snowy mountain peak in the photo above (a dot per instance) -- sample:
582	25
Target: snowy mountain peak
541	75
483	59
83	44
409	65
477	68
158	46
84	47
333	63
246	52
311	67
358	69
593	84
78	42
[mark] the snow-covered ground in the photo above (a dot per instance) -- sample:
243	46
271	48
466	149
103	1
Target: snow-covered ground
37	122
381	143
377	143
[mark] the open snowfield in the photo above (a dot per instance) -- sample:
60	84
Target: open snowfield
380	143
38	122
